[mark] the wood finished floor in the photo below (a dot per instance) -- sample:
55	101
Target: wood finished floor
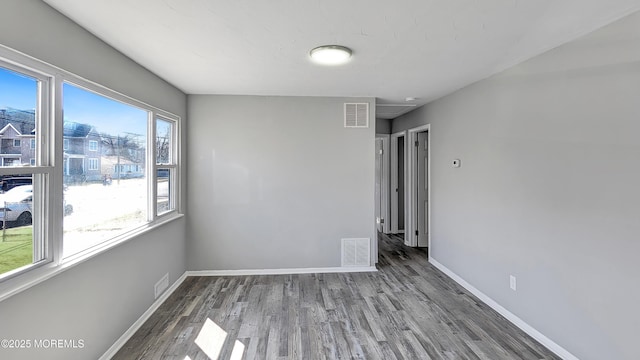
407	310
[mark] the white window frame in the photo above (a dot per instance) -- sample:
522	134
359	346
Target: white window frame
93	161
48	179
93	145
172	166
17	141
42	173
32	143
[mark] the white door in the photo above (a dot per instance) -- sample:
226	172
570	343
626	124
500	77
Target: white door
398	151
422	181
378	190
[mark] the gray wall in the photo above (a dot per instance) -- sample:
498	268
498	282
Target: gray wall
98	300
409	120
276	182
383	126
548	190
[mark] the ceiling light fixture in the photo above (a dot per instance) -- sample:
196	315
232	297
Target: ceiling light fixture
330	54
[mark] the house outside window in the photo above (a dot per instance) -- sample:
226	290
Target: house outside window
93	145
16	142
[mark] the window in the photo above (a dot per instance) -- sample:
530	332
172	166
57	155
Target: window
114	169
22	244
165	165
93	164
119	201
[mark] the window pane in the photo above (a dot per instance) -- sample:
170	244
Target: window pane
104	168
17	248
18	97
164	191
164	143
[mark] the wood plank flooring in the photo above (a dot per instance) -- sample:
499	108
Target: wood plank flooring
407	310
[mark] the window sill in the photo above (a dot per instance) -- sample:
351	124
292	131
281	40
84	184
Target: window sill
19	283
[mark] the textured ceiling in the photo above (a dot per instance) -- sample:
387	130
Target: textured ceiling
402	48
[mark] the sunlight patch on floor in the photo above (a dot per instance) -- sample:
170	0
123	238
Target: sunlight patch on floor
238	351
211	339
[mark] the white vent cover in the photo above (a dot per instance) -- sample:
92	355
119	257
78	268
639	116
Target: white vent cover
161	285
356	252
356	115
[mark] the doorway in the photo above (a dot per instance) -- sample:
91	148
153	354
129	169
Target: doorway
419	174
422	188
398	182
382	183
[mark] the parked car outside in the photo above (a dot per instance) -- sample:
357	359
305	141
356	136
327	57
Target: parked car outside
9	182
16	206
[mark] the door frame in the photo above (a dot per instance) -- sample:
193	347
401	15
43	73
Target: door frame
384	184
410	238
393	217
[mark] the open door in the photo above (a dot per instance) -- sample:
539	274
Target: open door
398	171
382	183
417	209
422	189
378	188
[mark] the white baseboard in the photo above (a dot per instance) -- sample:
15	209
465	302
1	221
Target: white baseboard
344	269
550	344
147	314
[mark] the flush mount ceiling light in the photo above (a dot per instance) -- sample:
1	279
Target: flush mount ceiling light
330	54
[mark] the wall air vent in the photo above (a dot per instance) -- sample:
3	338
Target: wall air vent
356	115
356	252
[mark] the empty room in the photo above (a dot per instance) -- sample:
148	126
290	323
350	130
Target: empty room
206	179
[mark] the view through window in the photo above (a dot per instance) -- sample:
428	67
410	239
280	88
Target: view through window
104	168
18	104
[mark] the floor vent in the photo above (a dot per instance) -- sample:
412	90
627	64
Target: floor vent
161	285
356	252
356	115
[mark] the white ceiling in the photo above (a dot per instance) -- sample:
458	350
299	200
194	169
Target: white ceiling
402	48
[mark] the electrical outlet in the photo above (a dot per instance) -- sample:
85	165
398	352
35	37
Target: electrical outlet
512	282
161	285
